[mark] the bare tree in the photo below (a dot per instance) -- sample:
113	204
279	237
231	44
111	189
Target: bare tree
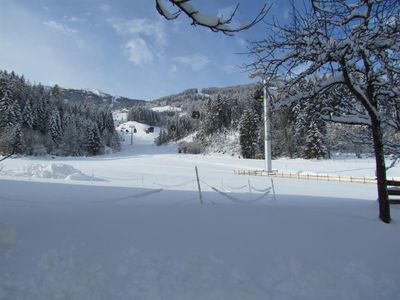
357	44
214	23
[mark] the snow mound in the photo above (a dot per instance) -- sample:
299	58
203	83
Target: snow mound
54	171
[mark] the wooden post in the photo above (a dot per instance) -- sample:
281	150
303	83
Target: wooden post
248	182
273	189
198	185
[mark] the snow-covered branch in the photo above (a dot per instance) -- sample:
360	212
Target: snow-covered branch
349	119
289	97
214	23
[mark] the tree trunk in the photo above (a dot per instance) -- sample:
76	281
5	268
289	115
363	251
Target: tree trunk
384	208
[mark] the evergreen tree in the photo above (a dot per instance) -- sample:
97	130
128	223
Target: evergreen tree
222	112
93	141
209	124
55	126
27	115
5	108
218	115
248	134
283	134
142	114
71	137
42	112
314	147
309	127
162	138
16	141
299	124
109	121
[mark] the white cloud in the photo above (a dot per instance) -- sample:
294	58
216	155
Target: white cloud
144	38
138	27
229	68
196	62
173	69
58	27
105	7
242	42
74	19
138	51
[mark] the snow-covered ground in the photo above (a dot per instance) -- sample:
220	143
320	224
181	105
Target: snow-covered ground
130	225
166	108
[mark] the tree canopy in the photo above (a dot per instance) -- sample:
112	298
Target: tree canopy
354	44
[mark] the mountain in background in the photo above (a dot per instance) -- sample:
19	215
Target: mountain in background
194	95
98	98
183	98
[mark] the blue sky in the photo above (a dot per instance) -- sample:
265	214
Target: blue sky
124	47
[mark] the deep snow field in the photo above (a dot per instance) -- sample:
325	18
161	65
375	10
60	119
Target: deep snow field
131	225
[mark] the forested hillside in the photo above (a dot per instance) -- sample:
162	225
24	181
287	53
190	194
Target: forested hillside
38	120
229	120
35	120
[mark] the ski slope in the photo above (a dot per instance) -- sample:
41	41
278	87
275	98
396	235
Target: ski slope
131	225
166	108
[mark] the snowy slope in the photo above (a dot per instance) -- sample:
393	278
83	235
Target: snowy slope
133	228
140	137
166	108
120	117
